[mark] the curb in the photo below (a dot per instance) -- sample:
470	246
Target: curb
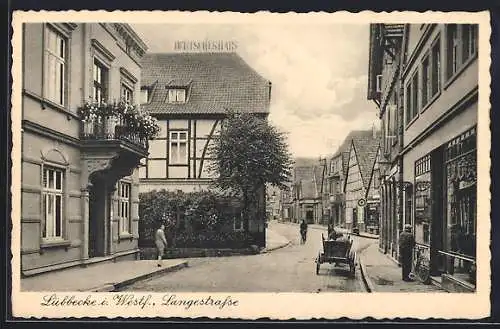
118	285
266	250
364	275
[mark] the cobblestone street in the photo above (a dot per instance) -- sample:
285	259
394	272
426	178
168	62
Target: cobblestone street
290	269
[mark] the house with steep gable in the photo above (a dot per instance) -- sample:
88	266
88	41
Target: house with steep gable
363	151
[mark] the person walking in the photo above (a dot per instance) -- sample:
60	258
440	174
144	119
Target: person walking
303	232
406	245
161	243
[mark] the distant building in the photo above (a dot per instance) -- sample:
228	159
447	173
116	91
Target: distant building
335	178
361	199
273	203
305	191
79	190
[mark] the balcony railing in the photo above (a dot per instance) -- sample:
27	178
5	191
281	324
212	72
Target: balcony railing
110	128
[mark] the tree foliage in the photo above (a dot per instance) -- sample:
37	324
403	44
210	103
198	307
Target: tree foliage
247	154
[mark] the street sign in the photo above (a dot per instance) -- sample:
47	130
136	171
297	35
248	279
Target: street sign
361	202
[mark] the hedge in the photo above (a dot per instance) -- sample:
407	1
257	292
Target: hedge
196	219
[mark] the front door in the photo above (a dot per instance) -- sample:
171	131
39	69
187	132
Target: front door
97	213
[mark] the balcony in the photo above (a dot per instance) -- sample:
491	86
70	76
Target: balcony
110	148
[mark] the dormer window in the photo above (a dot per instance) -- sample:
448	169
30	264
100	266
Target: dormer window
176	95
144	96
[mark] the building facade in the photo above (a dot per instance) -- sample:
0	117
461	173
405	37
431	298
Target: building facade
306	193
189	93
335	181
79	190
359	182
385	89
440	82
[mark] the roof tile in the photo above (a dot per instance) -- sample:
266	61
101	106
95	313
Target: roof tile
218	81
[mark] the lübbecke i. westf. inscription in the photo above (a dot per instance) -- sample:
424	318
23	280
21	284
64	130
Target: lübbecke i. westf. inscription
138	300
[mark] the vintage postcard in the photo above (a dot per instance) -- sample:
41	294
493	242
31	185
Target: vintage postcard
247	166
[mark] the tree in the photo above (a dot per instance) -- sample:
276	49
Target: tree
247	154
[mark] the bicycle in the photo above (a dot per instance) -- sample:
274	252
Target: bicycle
421	267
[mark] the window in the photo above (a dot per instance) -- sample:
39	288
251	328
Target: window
52	203
127	94
452	56
412	98
469	37
176	96
461	46
144	96
460	206
414	95
100	76
423	200
124	206
55	66
436	68
178	147
426	80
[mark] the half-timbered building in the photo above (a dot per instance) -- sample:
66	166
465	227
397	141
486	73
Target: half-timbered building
190	93
359	182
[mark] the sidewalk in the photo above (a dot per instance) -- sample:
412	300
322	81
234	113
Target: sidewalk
338	229
100	277
383	275
275	241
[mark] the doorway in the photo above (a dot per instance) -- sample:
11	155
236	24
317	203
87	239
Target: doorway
97	215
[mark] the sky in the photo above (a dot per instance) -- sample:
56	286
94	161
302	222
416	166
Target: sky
318	74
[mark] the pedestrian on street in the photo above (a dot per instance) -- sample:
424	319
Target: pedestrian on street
161	243
303	231
406	245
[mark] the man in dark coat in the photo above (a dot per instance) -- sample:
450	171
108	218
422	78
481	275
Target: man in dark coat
406	245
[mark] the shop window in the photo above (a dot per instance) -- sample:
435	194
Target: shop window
461	200
423	200
53	203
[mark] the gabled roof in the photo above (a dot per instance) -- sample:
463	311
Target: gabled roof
305	177
366	148
215	82
344	149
